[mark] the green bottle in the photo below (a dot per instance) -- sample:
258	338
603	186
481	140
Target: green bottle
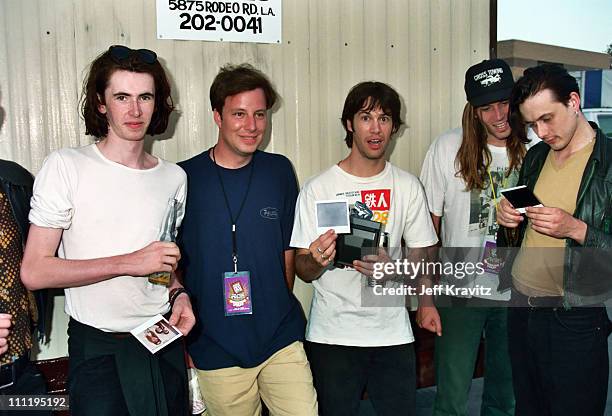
168	229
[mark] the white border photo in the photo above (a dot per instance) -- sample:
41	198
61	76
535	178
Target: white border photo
334	215
156	333
521	197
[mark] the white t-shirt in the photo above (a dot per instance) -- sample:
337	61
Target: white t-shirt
468	217
337	316
106	209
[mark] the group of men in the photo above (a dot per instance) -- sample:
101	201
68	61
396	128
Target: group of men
245	231
544	326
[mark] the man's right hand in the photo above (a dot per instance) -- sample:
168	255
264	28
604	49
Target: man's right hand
5	324
507	215
159	256
310	262
323	249
41	268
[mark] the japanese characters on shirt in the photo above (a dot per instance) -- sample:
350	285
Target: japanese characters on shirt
378	200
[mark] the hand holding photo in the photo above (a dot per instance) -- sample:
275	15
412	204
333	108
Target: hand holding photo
156	333
521	197
333	214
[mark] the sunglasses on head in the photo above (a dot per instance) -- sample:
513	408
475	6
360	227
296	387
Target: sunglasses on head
120	53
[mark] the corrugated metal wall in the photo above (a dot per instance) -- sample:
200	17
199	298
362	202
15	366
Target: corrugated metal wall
420	47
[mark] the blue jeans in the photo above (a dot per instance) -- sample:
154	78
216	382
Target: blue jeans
341	373
559	360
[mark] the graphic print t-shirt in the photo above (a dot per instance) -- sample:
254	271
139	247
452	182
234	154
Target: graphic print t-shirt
397	200
483	202
468	217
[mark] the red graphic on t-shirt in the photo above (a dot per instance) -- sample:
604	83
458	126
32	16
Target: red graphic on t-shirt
377	199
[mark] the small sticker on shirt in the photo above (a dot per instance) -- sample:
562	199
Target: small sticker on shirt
237	293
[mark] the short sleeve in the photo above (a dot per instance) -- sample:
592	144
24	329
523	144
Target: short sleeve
418	229
304	229
181	198
52	199
434	179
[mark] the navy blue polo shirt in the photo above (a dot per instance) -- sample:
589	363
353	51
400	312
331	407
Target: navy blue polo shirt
263	234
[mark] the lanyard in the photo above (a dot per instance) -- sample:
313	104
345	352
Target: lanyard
229	209
503	184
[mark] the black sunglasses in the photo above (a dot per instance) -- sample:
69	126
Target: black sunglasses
120	53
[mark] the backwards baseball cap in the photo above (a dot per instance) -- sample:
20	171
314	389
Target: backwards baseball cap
487	82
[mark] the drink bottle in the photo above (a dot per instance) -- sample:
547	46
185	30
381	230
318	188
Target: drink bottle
168	229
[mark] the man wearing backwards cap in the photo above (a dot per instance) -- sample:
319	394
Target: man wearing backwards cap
463	172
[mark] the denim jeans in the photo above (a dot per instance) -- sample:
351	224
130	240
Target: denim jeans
341	373
559	360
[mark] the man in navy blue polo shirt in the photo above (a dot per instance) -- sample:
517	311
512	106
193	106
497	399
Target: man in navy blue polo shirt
237	262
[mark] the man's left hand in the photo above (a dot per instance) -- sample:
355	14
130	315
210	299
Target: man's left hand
182	314
556	223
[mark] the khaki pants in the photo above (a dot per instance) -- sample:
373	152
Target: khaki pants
283	381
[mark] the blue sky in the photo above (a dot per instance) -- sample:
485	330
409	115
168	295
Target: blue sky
580	24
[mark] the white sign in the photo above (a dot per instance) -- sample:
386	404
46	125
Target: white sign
231	21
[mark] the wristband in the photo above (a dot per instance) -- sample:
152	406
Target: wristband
175	293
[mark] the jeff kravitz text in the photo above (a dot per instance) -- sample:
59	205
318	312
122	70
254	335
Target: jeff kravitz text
436	290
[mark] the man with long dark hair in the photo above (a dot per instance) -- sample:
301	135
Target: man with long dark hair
100	207
558	326
463	172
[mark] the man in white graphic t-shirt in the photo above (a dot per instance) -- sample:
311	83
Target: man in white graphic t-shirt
352	347
463	173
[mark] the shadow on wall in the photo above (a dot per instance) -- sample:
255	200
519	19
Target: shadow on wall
174	116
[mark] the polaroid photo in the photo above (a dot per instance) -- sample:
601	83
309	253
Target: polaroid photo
333	214
156	333
521	197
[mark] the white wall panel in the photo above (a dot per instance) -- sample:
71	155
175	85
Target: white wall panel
420	47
